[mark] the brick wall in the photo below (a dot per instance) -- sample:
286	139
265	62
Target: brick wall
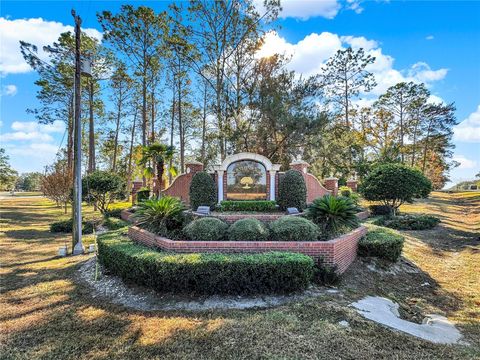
340	251
180	187
231	218
314	188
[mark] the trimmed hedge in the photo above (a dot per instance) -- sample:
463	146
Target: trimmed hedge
66	226
294	228
409	222
208	274
248	230
203	191
143	194
382	243
292	191
248	205
206	229
114	213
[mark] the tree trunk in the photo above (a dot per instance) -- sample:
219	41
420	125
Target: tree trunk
153	115
144	118
180	127
204	124
172	125
117	129
130	156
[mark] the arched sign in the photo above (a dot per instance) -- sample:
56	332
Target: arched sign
246	180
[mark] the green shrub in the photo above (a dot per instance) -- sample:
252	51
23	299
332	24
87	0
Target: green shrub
382	243
66	226
143	194
113	223
326	274
160	215
294	228
333	214
248	205
102	188
114	213
248	230
292	191
209	274
409	222
345	191
376	210
395	184
203	191
206	229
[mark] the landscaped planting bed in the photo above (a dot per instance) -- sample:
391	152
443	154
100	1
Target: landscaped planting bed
272	272
340	251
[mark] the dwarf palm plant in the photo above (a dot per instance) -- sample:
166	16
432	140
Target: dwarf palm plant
160	215
333	214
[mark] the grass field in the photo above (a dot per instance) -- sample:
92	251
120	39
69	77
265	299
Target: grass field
47	314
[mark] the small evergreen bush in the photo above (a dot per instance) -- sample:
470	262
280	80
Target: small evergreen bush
376	210
292	191
345	191
114	213
274	272
248	205
248	230
326	274
143	194
113	223
203	191
206	229
103	188
409	222
66	226
381	243
294	228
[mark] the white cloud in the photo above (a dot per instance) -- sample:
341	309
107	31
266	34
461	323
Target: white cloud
24	136
430	37
469	129
30	126
464	162
305	9
310	54
9	90
34	30
45	152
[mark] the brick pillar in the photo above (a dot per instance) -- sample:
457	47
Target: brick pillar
192	167
331	184
301	166
352	184
136	185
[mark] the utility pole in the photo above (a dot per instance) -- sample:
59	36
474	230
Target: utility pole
77	146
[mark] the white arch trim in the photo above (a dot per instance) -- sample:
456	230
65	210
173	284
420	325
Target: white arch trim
247	156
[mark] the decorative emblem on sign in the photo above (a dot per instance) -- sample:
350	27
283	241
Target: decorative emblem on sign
246	181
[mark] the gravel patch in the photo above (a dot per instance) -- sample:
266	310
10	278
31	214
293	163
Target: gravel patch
113	289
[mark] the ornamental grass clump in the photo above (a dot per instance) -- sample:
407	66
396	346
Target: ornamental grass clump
160	215
294	228
248	230
206	229
333	214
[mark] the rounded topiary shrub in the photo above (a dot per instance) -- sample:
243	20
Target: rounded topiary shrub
203	191
248	230
381	243
294	228
292	191
206	229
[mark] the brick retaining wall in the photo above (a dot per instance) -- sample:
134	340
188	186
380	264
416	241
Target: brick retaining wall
340	251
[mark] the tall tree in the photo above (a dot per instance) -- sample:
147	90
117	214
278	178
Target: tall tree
139	34
345	76
8	175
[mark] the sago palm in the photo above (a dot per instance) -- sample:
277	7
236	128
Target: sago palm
333	213
165	213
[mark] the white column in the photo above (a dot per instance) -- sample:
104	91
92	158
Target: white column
220	185
272	183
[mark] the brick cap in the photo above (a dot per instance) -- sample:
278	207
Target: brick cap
193	162
299	162
352	180
331	178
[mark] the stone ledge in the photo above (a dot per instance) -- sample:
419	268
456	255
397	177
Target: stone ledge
340	251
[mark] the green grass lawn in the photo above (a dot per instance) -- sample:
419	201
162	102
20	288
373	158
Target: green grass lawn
46	313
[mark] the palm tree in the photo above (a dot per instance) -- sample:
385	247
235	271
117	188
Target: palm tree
153	158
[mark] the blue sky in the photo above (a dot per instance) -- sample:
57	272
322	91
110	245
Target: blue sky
437	42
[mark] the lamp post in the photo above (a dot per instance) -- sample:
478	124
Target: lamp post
80	66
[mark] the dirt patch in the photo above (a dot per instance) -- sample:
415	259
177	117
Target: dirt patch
136	297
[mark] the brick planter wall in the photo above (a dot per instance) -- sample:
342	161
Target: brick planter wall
231	218
340	251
